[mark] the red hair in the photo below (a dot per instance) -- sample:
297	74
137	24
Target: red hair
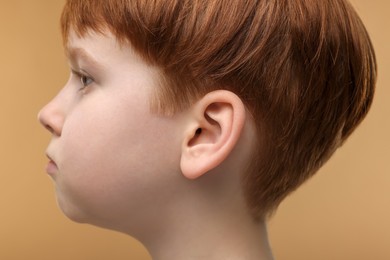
305	69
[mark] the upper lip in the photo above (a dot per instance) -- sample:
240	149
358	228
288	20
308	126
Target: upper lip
50	158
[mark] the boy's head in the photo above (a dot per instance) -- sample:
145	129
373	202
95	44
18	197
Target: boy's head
304	69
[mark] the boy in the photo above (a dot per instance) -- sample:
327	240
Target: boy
185	123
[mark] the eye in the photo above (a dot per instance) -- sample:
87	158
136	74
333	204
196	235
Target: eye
85	80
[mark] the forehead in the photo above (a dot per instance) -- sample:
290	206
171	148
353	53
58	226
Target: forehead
102	53
77	44
97	48
98	42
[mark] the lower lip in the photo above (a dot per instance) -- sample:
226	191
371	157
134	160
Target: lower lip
51	168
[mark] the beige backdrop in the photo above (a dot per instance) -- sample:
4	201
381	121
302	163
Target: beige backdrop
342	213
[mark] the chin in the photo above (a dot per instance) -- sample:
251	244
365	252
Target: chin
72	212
78	215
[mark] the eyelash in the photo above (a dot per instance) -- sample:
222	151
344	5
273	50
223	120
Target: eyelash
85	80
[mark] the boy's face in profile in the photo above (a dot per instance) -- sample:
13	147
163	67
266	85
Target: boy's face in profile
108	159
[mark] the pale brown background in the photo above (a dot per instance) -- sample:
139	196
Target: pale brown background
342	213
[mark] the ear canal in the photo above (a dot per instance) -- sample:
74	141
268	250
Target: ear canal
194	139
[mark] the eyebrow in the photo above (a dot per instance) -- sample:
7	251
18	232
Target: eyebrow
75	54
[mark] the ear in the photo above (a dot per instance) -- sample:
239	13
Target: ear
215	126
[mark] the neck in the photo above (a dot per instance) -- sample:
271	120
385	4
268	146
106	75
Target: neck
209	234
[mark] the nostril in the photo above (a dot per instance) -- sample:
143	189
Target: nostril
42	118
49	128
47	122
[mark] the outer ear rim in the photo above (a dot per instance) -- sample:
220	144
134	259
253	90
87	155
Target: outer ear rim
192	167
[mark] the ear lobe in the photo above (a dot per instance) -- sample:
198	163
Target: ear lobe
216	123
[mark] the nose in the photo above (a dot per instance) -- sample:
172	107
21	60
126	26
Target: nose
52	117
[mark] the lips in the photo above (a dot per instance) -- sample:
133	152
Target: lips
51	167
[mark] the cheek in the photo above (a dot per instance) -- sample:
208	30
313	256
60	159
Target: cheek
99	156
110	158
